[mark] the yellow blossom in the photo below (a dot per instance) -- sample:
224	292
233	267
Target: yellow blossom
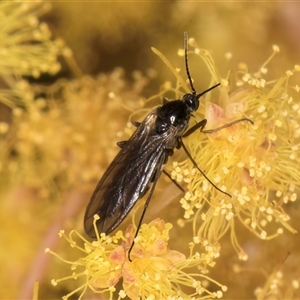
56	140
251	162
26	47
155	272
258	164
278	284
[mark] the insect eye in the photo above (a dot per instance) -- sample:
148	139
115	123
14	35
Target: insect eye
191	101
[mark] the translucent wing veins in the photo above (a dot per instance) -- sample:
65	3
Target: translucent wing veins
127	178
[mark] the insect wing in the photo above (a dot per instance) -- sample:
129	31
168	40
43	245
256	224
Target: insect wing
127	178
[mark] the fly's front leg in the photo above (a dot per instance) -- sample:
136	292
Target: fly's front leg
200	125
227	125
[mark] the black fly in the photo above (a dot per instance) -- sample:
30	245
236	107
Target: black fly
138	165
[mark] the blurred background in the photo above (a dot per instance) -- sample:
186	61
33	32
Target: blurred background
105	36
109	34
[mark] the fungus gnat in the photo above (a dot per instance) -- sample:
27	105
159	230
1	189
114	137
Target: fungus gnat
139	164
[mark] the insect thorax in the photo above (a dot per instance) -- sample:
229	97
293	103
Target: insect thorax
173	114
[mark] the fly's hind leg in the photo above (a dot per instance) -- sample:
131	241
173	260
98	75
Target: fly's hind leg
174	181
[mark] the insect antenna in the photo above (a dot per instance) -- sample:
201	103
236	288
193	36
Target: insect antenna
187	63
188	70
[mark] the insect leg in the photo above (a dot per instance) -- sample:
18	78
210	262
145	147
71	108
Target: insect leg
196	166
225	126
144	211
165	100
121	143
135	123
174	181
200	125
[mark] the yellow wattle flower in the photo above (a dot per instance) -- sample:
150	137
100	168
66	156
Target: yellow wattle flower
155	272
257	164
